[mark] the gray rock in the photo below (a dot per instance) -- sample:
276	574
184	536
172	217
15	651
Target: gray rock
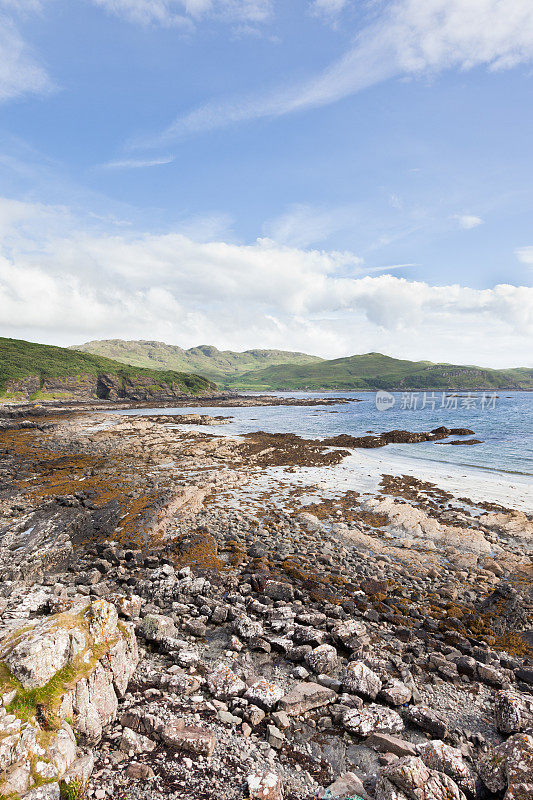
360	679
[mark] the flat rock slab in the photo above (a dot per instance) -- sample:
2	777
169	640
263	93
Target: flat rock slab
384	743
195	740
305	697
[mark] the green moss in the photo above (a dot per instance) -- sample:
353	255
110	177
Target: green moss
74	790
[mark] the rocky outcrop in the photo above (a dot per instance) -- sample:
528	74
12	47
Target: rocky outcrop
60	675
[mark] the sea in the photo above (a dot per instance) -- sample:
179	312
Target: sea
503	421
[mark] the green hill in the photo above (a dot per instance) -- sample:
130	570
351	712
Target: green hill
373	371
38	371
217	365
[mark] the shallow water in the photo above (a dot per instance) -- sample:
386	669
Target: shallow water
504	423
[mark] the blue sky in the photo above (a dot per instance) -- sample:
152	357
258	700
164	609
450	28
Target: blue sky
326	175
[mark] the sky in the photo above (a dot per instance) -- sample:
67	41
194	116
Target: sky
328	176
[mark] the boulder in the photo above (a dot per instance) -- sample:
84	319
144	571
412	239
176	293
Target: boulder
410	778
395	693
191	738
346	787
443	758
427	720
264	693
513	711
323	659
305	697
265	786
372	719
223	683
509	766
360	679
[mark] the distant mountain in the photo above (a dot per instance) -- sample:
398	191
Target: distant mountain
30	371
373	371
217	365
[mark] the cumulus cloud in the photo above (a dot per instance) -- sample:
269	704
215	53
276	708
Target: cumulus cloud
60	284
408	38
468	221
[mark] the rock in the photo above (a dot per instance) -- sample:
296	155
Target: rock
50	791
372	719
223	683
139	772
428	720
395	692
360	679
265	786
443	758
513	711
415	781
305	697
80	770
134	743
510	765
195	740
309	521
351	634
275	737
346	787
323	659
247	628
277	590
156	627
384	743
264	693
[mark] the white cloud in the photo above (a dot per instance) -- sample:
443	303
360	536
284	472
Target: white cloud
138	163
328	8
304	225
60	284
20	72
468	221
409	38
182	12
525	255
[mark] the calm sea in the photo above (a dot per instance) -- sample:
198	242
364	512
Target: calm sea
504	421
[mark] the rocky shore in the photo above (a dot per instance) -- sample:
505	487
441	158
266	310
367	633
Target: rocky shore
169	631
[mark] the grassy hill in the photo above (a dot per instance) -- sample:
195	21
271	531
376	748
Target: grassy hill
217	365
36	370
373	371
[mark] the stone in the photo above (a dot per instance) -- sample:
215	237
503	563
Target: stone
346	787
139	772
265	786
372	719
513	711
193	739
440	756
384	743
278	590
360	679
156	627
305	697
264	693
248	628
80	770
415	781
427	720
351	634
323	659
395	693
49	791
509	766
134	743
223	683
275	737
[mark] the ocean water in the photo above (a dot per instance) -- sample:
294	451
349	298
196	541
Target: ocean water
504	421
